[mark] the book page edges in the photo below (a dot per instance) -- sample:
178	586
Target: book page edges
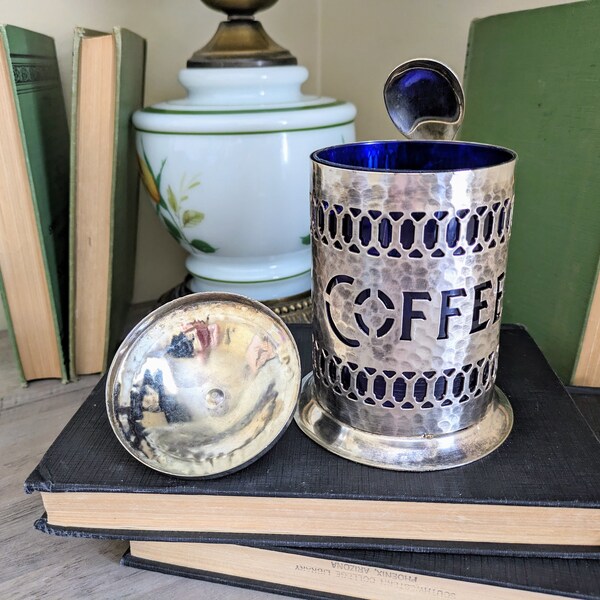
495	523
87	347
320	574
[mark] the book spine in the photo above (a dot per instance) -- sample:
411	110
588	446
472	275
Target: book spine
130	56
77	35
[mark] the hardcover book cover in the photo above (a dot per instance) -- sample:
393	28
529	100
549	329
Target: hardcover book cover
540	489
373	574
32	74
304	542
532	84
131	56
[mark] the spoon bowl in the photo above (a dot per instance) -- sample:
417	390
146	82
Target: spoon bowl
425	100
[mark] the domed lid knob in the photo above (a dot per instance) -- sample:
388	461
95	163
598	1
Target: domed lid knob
241	41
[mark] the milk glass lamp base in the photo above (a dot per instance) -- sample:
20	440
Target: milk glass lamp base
267	277
259	290
227	169
410	453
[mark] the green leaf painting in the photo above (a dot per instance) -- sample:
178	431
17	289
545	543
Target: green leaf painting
203	246
175	216
305	239
192	217
172	200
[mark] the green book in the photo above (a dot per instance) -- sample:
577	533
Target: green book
532	83
108	84
34	180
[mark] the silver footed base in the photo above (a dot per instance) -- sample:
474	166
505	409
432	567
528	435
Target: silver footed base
418	453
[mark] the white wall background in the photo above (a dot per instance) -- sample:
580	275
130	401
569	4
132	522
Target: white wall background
349	46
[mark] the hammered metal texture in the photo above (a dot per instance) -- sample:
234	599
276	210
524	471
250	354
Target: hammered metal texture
408	275
204	385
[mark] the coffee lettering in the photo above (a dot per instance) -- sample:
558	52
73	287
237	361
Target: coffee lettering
378	324
339	280
499	294
408	314
448	311
478	305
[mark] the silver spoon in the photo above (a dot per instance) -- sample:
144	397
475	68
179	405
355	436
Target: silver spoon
425	100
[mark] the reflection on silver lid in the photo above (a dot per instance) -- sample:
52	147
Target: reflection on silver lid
204	385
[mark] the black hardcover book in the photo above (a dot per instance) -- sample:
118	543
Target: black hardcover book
293	542
374	574
538	493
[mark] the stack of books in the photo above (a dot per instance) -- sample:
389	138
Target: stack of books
521	522
68	216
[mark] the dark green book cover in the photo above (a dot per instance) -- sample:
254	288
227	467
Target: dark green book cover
44	131
130	54
532	83
131	59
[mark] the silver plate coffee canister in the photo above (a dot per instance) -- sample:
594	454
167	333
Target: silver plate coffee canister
410	243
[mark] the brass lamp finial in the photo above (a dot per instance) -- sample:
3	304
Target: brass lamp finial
241	41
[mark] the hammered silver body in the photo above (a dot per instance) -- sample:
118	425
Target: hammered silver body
408	273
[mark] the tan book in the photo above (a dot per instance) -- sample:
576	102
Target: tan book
34	176
108	78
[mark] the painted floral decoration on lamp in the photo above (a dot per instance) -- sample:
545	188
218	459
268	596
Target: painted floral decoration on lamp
172	212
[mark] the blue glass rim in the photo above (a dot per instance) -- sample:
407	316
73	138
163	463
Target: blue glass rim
413	156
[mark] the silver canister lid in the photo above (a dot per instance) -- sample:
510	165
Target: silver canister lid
204	385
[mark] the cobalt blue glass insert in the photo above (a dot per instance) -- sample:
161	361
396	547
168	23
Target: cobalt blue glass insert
413	156
423	92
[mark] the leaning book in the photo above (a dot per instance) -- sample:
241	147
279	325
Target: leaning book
371	574
531	106
108	87
537	492
34	184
